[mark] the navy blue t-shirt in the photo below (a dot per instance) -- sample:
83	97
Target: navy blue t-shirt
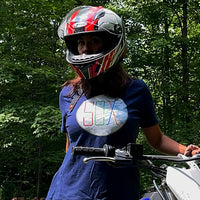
94	122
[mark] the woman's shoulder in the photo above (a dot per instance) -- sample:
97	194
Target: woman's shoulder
137	88
137	83
66	91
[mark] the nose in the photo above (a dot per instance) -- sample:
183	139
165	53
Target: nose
86	48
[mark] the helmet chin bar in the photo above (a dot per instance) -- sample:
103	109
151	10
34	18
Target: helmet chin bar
89	70
83	58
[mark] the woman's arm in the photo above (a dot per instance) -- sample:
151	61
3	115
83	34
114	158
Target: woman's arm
67	142
164	144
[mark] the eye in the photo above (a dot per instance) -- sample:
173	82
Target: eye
81	42
96	40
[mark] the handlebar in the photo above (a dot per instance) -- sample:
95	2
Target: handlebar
107	150
126	155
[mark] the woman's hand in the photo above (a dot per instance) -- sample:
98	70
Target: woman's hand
191	150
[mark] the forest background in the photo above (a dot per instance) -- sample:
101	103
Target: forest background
163	49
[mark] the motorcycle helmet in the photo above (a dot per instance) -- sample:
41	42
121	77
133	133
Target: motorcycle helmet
93	20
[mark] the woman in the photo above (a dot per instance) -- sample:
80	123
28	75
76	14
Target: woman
102	105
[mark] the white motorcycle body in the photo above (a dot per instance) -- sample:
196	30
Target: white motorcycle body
184	183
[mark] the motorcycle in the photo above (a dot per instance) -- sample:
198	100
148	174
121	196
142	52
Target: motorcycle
176	182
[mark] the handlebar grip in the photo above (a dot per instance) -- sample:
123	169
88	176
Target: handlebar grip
88	151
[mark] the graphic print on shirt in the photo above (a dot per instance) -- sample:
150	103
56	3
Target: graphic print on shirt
102	115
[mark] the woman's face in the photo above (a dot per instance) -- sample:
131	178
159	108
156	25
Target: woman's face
89	44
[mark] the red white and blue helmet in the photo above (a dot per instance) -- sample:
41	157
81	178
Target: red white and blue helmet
97	20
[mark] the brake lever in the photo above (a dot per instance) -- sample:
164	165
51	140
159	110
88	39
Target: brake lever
99	158
121	159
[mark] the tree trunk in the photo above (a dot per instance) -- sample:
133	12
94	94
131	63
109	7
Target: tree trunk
166	78
185	95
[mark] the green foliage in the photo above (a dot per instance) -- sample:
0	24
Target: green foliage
162	50
46	120
30	142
